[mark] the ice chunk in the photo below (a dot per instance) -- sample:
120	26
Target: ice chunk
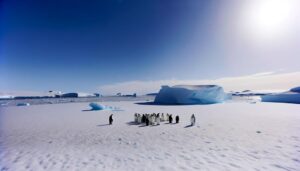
6	97
69	95
190	94
96	106
296	90
23	104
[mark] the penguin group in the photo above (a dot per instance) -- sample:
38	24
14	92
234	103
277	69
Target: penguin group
154	118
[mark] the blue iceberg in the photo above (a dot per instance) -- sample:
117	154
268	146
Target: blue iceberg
23	104
191	94
292	96
96	106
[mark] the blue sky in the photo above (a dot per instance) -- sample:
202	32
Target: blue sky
81	45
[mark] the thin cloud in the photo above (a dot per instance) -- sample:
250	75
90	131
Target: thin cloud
259	81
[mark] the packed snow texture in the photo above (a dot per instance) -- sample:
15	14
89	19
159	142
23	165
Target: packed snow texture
228	136
292	96
190	94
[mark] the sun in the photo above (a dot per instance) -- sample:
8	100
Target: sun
269	19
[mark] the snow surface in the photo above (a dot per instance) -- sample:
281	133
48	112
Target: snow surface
190	94
227	136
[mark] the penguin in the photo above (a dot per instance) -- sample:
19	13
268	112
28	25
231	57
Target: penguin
135	118
153	119
147	121
162	117
170	118
150	119
193	120
110	119
139	118
157	119
177	119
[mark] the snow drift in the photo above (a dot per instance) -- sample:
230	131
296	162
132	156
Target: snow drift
292	96
190	94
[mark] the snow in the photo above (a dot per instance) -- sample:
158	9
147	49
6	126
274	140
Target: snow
190	94
226	136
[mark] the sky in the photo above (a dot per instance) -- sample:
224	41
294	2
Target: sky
87	46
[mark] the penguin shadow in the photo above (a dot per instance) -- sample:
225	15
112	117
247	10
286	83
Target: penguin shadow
143	125
100	125
132	123
188	126
173	123
87	110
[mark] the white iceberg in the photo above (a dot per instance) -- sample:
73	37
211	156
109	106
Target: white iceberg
190	94
292	96
6	97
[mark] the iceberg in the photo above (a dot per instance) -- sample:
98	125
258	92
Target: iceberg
191	94
295	90
6	97
292	96
23	104
96	106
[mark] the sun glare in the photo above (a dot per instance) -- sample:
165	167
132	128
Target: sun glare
269	19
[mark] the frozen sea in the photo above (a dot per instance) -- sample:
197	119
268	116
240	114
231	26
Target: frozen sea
227	136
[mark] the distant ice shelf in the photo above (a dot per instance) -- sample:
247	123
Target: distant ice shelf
291	96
